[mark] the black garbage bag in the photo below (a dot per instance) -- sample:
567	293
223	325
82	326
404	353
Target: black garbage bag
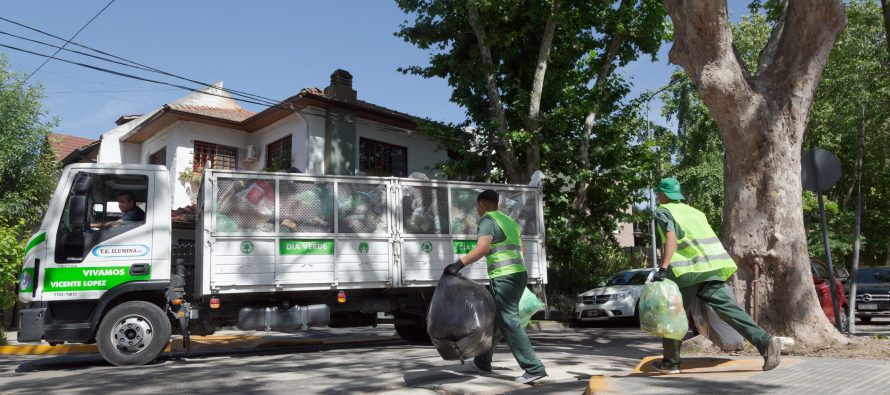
461	318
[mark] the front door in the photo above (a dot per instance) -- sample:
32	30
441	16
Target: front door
103	236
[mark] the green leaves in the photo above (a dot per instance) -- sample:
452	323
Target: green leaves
27	163
12	253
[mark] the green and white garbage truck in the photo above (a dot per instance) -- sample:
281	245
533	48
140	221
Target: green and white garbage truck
272	251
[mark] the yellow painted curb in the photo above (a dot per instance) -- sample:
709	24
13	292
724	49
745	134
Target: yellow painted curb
597	384
45	349
198	344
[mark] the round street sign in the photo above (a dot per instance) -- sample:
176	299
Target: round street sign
819	167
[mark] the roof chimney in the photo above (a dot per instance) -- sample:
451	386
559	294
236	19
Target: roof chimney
341	86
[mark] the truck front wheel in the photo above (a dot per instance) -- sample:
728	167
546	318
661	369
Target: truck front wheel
133	333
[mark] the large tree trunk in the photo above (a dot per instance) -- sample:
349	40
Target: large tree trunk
763	118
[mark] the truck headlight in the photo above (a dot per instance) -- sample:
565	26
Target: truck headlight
579	300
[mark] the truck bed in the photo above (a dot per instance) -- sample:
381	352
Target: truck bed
281	232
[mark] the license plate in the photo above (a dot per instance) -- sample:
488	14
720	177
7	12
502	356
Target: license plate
593	313
867	306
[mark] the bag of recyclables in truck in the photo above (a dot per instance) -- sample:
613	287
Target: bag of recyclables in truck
713	328
461	318
661	310
529	304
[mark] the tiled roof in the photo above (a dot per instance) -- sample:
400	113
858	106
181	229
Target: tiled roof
63	145
313	91
231	114
184	216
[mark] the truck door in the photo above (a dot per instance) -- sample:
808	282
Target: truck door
103	236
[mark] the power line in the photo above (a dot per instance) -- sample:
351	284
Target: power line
136	64
118	73
116	91
68	41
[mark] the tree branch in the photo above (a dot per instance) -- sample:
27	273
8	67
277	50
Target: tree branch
703	47
586	132
494	99
534	108
813	25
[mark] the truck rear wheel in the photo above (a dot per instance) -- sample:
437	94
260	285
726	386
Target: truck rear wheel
133	333
414	333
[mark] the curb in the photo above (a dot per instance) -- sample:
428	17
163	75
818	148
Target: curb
208	343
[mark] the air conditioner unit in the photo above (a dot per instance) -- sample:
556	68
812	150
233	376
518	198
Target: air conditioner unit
251	153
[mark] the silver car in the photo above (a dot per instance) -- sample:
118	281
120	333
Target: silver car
619	298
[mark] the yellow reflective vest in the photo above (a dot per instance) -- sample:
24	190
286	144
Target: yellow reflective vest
700	256
505	257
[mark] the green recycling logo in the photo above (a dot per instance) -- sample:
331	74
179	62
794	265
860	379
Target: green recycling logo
427	247
246	247
363	247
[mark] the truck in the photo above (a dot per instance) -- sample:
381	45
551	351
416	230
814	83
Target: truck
266	251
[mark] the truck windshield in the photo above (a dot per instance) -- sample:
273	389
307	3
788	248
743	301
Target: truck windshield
629	278
879	275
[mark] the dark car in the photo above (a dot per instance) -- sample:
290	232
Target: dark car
872	293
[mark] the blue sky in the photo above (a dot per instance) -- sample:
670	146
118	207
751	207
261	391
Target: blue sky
270	48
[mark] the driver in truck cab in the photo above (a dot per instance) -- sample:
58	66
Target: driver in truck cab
127	203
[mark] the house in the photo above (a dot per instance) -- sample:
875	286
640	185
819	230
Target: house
64	145
323	132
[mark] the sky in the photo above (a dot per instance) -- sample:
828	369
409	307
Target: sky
270	48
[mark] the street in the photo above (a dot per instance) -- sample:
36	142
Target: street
571	357
390	365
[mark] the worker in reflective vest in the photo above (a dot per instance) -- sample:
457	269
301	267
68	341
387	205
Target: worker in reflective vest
499	242
700	266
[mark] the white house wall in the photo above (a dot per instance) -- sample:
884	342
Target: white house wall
182	136
423	152
315	140
110	149
294	125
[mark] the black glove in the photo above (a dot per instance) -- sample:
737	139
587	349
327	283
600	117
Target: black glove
658	275
454	268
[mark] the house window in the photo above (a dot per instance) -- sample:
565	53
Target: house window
382	159
159	157
220	156
278	154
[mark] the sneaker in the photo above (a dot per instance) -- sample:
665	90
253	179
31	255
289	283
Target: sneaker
529	378
665	368
773	352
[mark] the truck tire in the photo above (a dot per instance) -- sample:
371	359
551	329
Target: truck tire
133	333
413	333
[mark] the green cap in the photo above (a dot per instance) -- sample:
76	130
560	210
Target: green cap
671	188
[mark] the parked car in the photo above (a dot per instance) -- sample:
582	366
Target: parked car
618	299
872	293
821	281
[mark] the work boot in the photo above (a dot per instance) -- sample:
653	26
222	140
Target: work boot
772	354
529	378
665	368
479	370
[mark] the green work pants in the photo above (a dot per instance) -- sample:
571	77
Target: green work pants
507	290
714	294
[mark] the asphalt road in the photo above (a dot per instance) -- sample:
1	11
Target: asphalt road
877	326
571	357
389	366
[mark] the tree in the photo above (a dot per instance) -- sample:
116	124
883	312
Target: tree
539	84
27	171
762	117
27	163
